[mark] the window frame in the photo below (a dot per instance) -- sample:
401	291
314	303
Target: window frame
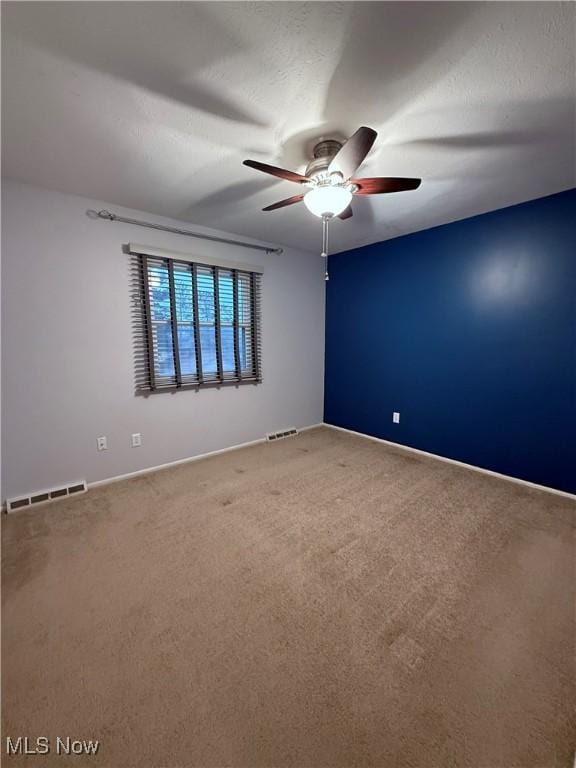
148	379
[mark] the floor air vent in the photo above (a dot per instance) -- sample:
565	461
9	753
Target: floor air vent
53	494
279	435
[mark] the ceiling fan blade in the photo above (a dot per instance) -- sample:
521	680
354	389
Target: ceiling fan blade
284	203
282	173
380	184
346	213
349	158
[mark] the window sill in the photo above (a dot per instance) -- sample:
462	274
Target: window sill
142	391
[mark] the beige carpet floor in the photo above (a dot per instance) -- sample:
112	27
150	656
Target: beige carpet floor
322	602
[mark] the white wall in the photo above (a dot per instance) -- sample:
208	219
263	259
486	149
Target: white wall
68	356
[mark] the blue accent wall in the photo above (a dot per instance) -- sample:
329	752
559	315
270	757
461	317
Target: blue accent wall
469	331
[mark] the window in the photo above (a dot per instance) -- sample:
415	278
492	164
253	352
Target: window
196	325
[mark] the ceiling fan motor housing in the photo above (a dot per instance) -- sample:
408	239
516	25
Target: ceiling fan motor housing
323	152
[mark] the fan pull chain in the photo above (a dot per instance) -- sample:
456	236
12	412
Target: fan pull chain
325	220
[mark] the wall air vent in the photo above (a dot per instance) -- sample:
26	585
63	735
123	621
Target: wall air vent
41	497
279	435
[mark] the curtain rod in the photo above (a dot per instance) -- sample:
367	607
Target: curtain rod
114	217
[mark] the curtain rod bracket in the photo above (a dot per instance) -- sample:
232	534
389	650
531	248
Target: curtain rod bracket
108	216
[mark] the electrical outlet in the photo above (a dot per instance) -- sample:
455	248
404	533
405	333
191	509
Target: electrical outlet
136	440
396	417
102	443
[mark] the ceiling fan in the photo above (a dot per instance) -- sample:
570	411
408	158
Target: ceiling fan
329	177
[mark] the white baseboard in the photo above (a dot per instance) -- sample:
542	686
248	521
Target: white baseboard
457	463
188	459
199	457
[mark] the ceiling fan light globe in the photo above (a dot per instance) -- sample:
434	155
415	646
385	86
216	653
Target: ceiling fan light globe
327	201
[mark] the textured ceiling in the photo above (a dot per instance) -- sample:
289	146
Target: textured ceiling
155	105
